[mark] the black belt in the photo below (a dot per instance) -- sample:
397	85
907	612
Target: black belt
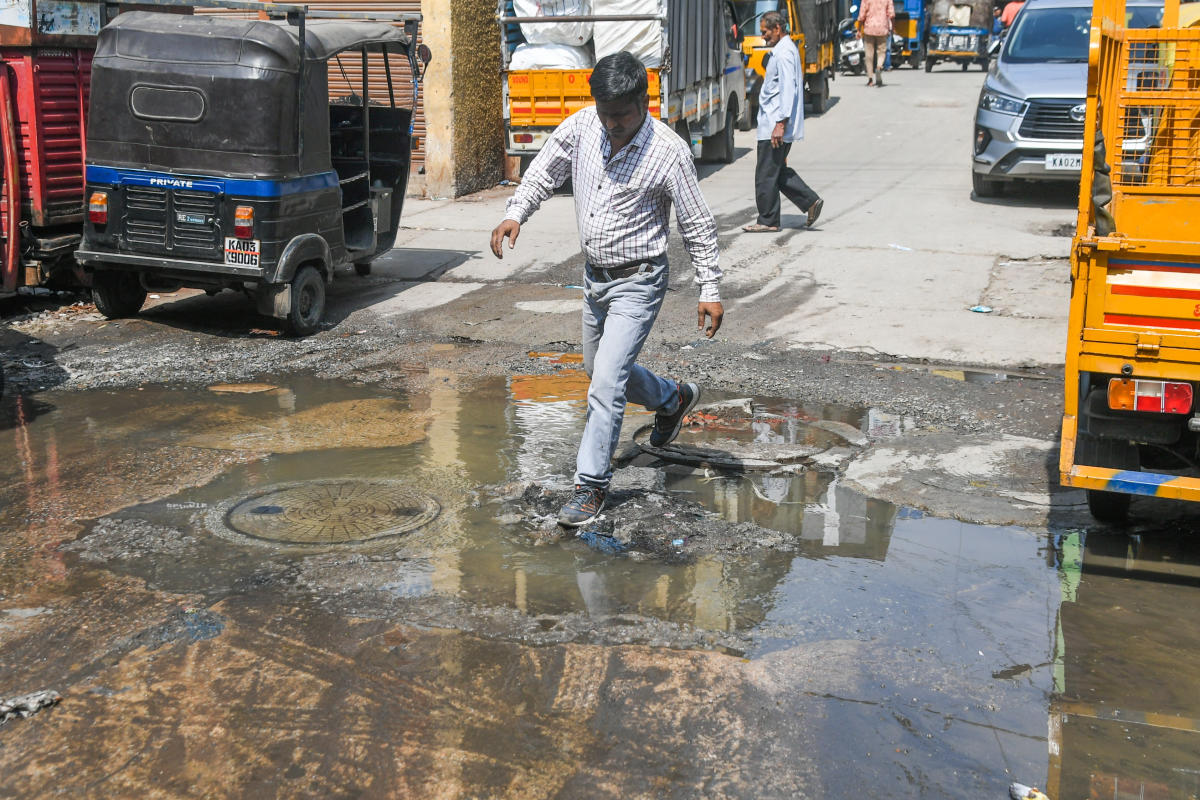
624	271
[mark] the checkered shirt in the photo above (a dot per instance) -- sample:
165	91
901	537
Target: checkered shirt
623	205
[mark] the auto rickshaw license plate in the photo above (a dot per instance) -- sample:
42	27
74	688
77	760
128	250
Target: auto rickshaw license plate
241	252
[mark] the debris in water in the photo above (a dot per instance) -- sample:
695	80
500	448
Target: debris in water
677	542
26	705
1019	791
603	542
242	388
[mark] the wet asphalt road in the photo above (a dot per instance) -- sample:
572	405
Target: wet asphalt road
905	606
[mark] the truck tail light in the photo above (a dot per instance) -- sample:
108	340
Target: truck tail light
523	138
98	208
1163	397
243	222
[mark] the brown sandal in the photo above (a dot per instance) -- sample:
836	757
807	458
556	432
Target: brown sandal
759	228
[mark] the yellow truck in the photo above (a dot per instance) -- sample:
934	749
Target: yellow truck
812	25
1130	423
693	53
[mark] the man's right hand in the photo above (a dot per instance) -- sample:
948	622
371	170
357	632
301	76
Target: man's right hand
508	229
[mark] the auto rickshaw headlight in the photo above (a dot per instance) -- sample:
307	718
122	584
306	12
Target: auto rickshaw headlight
98	208
243	222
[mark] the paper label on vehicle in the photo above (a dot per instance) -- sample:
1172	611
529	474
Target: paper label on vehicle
241	252
1064	161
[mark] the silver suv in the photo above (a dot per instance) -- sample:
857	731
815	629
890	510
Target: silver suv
1029	122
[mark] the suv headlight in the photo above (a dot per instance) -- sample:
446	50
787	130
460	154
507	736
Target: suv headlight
1000	103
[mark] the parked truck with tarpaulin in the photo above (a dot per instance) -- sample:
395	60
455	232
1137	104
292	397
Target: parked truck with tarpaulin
812	24
45	63
958	32
691	49
216	160
1130	421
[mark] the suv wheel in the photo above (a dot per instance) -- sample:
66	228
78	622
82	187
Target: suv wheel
985	187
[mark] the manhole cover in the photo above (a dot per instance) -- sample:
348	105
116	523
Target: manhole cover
342	512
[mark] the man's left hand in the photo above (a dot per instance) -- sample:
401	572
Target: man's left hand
714	312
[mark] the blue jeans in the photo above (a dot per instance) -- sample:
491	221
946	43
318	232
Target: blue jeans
617	318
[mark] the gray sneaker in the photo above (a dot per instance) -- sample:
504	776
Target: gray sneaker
585	505
666	426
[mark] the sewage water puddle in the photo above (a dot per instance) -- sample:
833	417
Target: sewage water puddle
886	645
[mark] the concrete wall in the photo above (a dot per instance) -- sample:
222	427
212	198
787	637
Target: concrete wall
464	138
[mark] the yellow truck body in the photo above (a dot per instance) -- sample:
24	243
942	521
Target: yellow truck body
1130	422
703	97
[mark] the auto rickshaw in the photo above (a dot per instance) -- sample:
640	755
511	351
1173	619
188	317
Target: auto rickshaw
216	160
959	32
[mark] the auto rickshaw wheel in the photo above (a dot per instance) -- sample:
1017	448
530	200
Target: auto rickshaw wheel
117	294
363	268
307	302
929	62
965	65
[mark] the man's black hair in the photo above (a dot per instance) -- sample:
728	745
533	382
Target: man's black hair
619	77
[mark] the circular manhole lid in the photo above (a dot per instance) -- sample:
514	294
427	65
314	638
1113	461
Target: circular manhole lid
334	512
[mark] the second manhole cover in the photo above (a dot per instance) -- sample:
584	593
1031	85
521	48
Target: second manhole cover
335	512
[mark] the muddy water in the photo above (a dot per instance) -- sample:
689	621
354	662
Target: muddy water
870	651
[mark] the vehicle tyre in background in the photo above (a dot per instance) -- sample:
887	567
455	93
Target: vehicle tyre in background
819	92
1113	454
965	65
917	58
719	146
363	268
307	302
117	294
929	62
985	187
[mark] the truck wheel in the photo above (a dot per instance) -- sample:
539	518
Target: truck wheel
1108	506
1114	454
307	302
984	187
117	294
820	94
719	146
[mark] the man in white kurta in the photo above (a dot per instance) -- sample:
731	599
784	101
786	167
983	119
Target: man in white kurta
780	122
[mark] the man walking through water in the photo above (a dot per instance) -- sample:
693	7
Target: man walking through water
627	170
780	122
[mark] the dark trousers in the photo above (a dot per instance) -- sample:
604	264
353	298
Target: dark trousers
772	175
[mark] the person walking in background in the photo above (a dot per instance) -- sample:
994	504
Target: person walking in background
780	122
875	21
627	169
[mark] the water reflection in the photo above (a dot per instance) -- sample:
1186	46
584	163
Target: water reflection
1125	716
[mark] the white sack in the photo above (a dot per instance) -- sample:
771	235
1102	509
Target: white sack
642	39
572	33
551	56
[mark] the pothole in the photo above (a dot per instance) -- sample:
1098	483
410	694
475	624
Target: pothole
326	513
